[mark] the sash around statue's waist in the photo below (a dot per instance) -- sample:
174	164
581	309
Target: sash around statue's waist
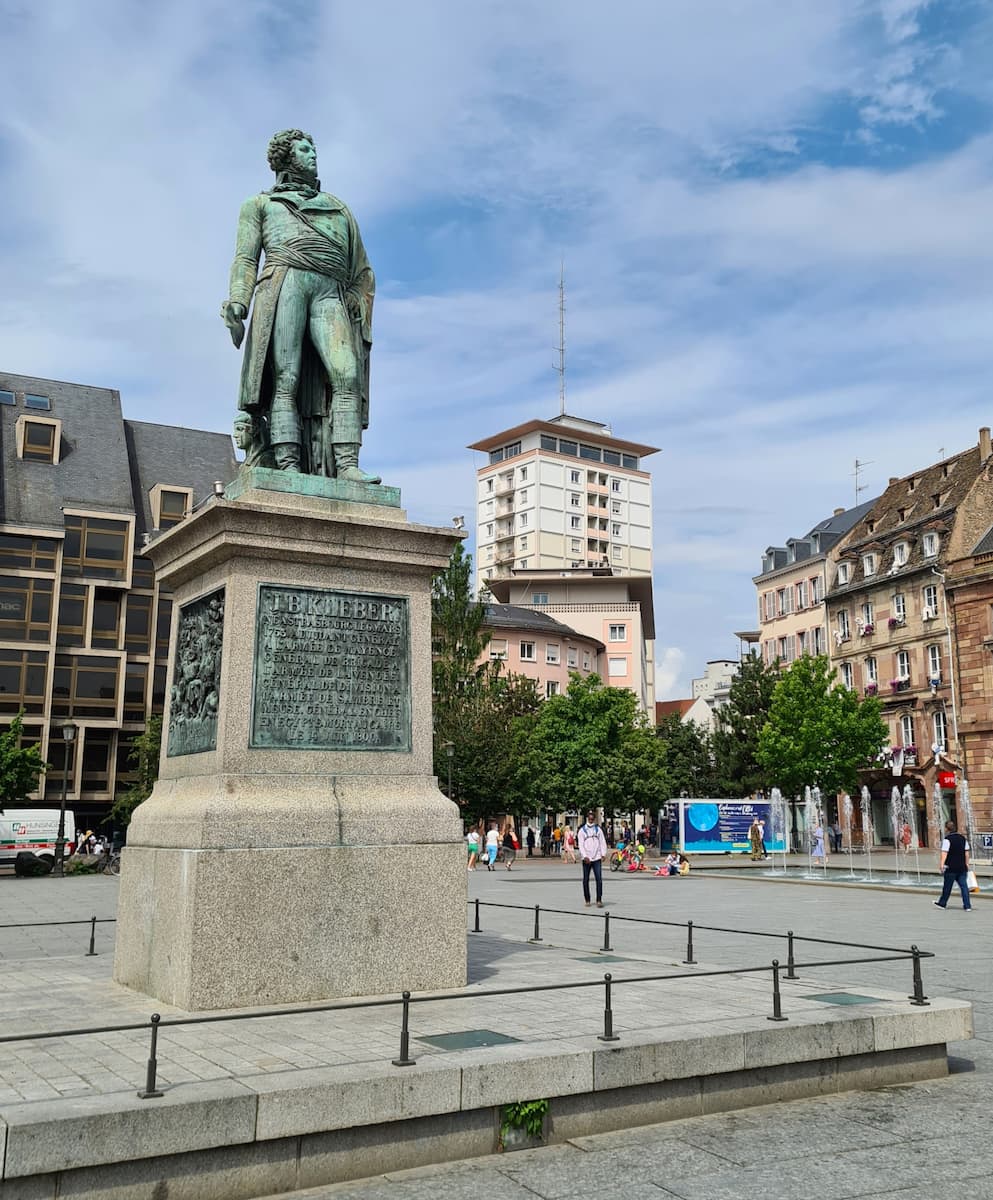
310	254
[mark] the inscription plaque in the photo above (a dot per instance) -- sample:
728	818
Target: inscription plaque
332	670
196	676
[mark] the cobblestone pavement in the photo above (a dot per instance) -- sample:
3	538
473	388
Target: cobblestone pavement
899	1143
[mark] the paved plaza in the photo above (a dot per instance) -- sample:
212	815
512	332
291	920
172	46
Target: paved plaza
894	1142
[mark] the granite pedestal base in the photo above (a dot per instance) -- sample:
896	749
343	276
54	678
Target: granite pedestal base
302	854
233	928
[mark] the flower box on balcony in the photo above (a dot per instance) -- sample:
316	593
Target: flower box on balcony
894	622
935	681
871	689
899	685
867	629
909	759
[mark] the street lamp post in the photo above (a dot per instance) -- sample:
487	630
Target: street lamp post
68	736
449	748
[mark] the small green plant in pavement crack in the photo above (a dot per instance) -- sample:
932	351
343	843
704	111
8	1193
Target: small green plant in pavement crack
528	1115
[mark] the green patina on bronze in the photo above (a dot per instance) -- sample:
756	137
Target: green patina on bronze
265	479
305	375
196	676
332	670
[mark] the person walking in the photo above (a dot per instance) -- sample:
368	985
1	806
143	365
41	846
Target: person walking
954	865
492	845
592	850
472	843
755	839
835	836
568	844
817	852
530	841
509	844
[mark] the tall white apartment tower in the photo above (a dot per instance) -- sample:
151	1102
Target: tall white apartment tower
564	521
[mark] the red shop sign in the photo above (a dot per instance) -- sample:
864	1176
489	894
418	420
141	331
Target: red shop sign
946	779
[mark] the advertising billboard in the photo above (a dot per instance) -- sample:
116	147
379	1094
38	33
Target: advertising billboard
721	826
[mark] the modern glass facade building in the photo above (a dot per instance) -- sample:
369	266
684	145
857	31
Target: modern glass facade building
84	628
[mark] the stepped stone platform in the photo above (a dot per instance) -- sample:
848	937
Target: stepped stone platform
259	1107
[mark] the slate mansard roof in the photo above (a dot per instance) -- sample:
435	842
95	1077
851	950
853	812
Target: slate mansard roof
816	543
106	464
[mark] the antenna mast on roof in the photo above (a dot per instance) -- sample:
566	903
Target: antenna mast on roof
860	487
561	367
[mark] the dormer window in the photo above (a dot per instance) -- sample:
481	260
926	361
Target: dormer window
930	545
169	505
870	526
901	514
900	552
937	499
38	439
843	570
868	564
911	484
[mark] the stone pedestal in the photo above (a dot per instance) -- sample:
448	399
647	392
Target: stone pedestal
296	846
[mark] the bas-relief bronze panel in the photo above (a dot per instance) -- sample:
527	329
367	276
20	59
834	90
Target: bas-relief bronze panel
196	676
332	670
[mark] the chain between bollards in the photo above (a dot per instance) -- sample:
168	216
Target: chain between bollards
777	1003
405	1060
606	933
537	925
790	972
477	928
608	1034
150	1091
91	953
918	999
689	959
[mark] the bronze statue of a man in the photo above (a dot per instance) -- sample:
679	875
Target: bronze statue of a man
305	372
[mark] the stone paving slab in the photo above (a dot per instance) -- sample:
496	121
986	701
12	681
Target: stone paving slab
317	1048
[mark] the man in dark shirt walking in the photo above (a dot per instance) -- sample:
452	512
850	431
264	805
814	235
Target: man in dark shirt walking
954	864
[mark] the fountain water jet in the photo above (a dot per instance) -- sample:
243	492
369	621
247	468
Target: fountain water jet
910	819
865	804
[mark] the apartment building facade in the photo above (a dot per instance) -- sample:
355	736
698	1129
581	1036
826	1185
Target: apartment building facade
564	523
893	630
531	642
791	588
84	627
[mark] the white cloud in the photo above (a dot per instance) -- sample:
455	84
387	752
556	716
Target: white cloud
763	316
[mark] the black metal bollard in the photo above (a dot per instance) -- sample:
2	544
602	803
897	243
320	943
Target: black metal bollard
608	1034
606	933
91	953
777	1003
918	998
150	1091
405	1060
790	972
689	959
477	929
537	925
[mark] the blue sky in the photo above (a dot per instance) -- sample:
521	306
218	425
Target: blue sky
775	221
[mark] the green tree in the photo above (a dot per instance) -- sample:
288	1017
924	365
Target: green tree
591	746
458	633
737	726
479	712
20	766
688	757
819	733
144	758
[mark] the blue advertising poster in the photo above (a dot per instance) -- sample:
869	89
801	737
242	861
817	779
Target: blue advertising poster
721	826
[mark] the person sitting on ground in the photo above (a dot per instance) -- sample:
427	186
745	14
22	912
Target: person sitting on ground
671	863
684	865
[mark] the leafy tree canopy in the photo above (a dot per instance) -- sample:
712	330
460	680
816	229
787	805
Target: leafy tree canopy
737	726
20	766
144	758
688	758
591	746
819	733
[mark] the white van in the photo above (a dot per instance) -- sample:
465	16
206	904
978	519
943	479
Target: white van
34	829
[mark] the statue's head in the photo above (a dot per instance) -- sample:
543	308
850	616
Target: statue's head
293	150
244	431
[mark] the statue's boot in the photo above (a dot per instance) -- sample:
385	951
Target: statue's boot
287	456
346	464
284	429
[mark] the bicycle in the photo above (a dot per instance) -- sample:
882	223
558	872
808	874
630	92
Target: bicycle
109	864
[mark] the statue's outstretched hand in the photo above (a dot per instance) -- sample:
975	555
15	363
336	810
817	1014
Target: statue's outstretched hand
233	315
